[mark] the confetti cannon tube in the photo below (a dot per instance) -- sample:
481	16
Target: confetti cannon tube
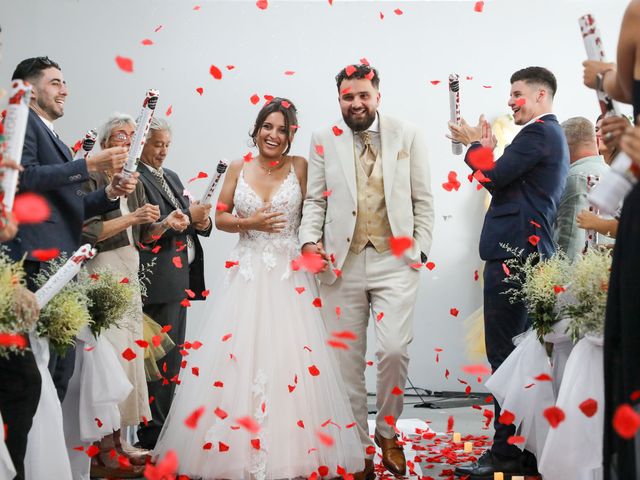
208	194
591	236
87	145
142	128
608	194
64	275
454	109
595	51
15	127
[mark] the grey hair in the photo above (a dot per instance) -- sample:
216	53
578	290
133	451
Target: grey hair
579	131
158	125
115	120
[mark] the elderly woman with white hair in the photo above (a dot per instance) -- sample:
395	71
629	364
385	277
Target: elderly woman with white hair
117	236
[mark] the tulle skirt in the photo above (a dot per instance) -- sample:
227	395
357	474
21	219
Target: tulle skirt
517	390
262	398
573	450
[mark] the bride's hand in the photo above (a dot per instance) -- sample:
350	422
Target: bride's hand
271	222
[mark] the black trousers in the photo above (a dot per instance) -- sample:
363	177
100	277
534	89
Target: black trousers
503	320
20	385
162	390
60	366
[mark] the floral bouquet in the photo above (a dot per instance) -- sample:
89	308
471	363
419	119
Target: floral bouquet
589	287
15	317
537	284
109	298
66	313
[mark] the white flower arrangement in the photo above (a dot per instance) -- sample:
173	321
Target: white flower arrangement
589	287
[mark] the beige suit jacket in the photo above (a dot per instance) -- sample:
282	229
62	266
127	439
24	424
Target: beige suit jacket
407	189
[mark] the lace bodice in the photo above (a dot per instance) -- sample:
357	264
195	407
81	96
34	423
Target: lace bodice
288	200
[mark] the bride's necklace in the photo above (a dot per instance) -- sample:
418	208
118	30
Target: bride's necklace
273	165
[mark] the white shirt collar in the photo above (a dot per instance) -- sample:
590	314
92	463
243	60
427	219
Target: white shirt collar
152	169
375	126
47	123
536	118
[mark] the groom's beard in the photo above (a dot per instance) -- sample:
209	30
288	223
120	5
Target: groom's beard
362	123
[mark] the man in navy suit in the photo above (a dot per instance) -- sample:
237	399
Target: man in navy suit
525	184
50	171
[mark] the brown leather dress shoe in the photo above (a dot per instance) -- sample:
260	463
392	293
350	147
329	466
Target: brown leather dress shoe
367	473
392	455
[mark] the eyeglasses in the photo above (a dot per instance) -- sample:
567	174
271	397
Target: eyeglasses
122	137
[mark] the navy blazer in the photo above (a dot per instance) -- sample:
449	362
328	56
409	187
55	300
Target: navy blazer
49	170
526	184
168	282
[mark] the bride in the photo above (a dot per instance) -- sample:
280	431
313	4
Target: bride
262	397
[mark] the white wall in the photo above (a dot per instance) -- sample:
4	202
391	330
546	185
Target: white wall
314	39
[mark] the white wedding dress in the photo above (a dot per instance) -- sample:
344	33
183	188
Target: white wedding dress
263	356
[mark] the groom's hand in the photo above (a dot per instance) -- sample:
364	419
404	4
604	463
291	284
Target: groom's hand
316	249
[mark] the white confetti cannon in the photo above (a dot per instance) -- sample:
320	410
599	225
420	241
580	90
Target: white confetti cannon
88	142
608	194
142	128
208	194
595	51
64	275
15	127
454	109
591	236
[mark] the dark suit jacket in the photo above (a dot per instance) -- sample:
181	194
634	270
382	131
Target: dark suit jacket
49	170
93	226
526	184
168	283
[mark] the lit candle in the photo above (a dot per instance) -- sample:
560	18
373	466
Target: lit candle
456	437
498	476
468	447
517	477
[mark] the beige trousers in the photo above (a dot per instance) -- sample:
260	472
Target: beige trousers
374	285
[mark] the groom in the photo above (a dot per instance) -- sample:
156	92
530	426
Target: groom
368	182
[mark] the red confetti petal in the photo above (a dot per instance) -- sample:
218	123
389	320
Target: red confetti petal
313	370
521	101
478	7
255	443
207	446
158	28
223	447
226	337
249	424
30	208
506	417
319	150
254	98
325	439
312	262
248	157
129	354
399	245
289	72
300	423
147	41
220	413
450	424
430	265
192	420
142	343
543	377
345	335
215	72
476	369
169	111
435	82
200	90
589	407
195	371
516	440
337	131
390	420
177	261
397	11
381	16
317	302
46	254
350	70
185	303
231	264
558	289
337	344
534	239
299	289
230	67
125	64
481	158
397	391
323	470
92	451
626	421
454	311
506	270
554	416
262	4
327	193
380	316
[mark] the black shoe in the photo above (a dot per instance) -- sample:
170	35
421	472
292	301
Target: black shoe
489	463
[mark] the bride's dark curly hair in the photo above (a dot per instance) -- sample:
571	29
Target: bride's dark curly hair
288	110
